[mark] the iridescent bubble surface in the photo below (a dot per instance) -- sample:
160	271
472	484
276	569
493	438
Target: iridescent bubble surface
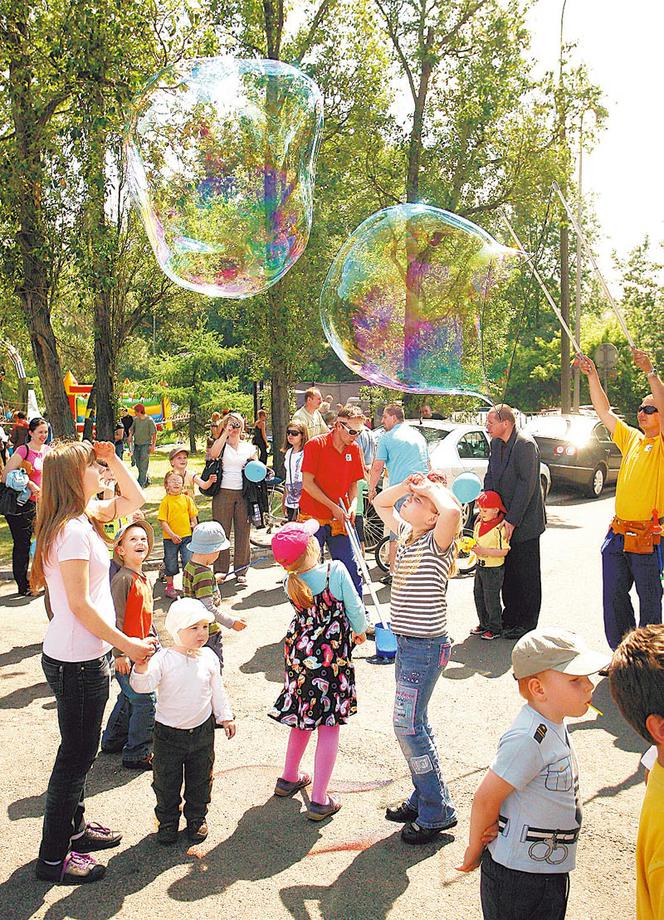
221	158
415	301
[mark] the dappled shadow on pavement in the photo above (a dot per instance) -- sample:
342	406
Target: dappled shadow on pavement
491	659
267	660
19	653
268	839
368	888
22	697
272	598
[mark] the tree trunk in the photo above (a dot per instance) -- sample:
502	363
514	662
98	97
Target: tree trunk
565	369
26	188
280	413
105	361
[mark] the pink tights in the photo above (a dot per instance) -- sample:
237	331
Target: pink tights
324	760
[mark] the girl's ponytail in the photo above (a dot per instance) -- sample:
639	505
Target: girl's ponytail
298	590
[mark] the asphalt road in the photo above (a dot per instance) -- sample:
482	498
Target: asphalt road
263	859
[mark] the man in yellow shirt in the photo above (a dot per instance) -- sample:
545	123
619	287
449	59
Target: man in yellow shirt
309	414
636	677
632	552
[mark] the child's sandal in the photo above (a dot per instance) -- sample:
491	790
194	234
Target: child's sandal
284	788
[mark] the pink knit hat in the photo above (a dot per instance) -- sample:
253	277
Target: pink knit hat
289	543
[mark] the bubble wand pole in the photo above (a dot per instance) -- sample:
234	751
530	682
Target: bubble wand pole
364	571
538	278
600	277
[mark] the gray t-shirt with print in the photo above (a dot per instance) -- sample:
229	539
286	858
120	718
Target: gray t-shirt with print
539	822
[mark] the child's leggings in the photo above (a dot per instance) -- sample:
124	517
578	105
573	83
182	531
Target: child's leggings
324	760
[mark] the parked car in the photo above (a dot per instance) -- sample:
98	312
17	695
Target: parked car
456	449
578	450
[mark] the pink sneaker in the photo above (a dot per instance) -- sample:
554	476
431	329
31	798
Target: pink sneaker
172	593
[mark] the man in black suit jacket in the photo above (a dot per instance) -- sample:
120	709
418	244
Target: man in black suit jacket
514	472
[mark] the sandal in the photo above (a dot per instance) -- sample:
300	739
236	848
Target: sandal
285	789
316	812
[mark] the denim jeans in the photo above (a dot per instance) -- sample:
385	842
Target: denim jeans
339	548
178	753
131	723
171	553
81	690
142	461
621	570
419	664
508	894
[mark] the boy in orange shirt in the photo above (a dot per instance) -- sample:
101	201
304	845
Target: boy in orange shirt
636	679
131	724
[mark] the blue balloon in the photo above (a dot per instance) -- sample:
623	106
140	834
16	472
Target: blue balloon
255	471
466	487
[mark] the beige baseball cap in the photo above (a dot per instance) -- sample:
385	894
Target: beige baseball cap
556	650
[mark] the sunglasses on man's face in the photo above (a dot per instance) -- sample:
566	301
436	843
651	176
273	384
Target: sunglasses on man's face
293	432
353	432
647	410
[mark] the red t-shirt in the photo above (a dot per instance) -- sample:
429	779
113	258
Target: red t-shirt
334	472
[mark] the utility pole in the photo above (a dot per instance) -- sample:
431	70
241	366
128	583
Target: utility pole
576	400
565	355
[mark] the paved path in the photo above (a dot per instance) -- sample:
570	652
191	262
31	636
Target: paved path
262	858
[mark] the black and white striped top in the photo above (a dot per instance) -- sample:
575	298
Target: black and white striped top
419	586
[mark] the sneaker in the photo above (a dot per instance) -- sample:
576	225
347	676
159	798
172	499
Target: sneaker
167	834
284	788
145	763
96	837
172	593
489	634
402	814
316	812
476	631
197	831
75	869
386	579
241	581
413	833
514	633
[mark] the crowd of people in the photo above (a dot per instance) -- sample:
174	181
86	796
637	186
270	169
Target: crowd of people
526	814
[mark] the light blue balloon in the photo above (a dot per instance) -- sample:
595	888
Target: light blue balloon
466	487
255	471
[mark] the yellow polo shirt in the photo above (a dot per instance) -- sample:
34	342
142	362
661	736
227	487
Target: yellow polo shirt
650	850
492	539
177	511
640	486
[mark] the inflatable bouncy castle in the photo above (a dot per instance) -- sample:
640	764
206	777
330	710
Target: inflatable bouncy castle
157	407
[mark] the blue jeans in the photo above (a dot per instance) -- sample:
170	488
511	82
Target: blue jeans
81	691
171	553
621	570
419	664
340	548
508	894
142	461
131	723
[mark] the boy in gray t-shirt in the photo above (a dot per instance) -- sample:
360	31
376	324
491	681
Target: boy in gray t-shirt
532	788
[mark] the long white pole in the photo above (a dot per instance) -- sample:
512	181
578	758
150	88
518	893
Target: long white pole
361	564
538	278
593	262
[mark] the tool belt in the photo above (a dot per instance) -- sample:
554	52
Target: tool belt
337	528
641	537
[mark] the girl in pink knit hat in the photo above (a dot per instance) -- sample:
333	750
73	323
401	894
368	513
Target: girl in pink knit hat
319	679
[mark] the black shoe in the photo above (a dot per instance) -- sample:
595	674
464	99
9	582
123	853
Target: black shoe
96	837
145	763
167	834
75	869
603	673
413	833
113	748
197	831
514	633
386	579
402	814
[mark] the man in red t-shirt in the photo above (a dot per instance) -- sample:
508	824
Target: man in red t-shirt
331	468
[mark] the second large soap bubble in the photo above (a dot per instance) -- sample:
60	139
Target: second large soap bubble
415	301
221	156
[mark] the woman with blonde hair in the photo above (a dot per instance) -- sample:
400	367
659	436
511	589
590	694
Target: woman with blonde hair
229	507
71	559
319	679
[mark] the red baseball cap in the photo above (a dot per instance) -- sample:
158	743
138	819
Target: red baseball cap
491	500
289	543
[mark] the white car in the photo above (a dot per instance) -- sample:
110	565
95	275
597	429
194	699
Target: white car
455	449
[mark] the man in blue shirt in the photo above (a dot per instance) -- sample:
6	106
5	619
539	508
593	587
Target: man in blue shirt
403	451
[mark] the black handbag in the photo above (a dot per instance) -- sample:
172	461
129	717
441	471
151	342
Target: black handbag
212	468
9	502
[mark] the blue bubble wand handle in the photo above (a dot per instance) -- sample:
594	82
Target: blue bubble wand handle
538	278
591	256
362	565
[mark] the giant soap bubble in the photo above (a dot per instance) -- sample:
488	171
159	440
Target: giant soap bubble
415	301
221	156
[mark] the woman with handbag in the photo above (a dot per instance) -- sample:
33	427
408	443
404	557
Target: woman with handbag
30	457
229	507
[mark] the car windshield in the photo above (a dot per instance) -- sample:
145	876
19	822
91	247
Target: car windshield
432	435
576	429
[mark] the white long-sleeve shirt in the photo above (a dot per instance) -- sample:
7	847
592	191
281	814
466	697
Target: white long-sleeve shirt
189	688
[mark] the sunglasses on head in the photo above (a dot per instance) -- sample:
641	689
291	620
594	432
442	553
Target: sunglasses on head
353	432
293	431
647	410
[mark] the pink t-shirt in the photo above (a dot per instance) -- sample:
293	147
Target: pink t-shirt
66	638
36	460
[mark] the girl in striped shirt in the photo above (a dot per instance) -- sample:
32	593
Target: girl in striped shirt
426	527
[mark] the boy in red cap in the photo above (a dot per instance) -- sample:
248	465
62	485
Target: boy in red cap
491	547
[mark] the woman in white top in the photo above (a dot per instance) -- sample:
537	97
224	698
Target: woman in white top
293	450
228	505
71	559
